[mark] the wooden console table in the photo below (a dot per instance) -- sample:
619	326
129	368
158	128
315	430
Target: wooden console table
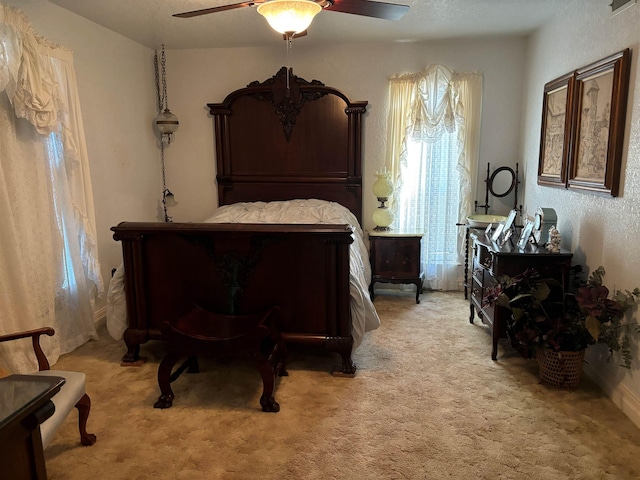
25	402
491	261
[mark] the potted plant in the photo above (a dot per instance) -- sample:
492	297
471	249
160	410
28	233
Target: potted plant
556	325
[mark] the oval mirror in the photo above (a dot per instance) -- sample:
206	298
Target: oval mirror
502	181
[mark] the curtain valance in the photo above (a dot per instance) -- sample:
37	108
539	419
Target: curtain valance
25	75
434	103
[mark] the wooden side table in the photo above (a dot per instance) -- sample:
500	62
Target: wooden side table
395	258
25	402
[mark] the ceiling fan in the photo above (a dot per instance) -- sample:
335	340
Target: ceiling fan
367	8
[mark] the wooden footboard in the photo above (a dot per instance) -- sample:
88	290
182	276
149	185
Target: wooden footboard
239	269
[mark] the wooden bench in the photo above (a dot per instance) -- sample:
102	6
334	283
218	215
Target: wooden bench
201	332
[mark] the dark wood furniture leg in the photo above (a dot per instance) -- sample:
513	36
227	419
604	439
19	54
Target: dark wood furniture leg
466	264
495	333
164	380
133	338
267	401
418	284
343	346
84	407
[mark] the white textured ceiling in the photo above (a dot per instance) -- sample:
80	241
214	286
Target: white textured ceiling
150	22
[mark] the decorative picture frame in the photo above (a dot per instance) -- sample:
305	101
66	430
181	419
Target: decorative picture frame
556	131
525	233
495	237
599	111
508	223
506	235
536	230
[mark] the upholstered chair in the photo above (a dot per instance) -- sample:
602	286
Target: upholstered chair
72	394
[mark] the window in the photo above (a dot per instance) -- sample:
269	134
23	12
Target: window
429	203
433	130
55	158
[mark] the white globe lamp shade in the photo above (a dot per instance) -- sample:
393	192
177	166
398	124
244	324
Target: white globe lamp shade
382	218
286	16
167	122
382	187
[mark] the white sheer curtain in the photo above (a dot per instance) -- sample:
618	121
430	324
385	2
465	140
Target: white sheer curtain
49	269
433	142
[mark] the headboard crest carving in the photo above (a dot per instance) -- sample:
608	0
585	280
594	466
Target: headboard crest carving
285	96
320	158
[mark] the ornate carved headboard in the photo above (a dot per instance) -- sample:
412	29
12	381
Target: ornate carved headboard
287	138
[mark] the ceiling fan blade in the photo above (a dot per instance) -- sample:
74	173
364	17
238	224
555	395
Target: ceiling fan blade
206	11
367	8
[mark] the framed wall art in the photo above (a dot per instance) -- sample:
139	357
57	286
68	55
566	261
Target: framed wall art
599	112
556	131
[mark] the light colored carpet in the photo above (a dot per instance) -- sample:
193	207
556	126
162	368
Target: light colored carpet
427	402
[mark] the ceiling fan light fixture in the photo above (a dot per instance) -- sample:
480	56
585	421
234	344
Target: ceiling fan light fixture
286	16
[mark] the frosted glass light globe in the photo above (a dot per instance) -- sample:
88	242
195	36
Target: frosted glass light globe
382	218
382	187
167	122
286	16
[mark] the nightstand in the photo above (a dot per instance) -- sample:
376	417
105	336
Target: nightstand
395	258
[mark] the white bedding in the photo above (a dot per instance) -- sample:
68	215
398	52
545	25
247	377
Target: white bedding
363	314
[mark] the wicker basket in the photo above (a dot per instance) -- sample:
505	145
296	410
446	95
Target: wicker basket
560	369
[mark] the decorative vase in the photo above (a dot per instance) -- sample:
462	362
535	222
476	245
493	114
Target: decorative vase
560	369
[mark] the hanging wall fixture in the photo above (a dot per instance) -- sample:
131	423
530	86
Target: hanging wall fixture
166	124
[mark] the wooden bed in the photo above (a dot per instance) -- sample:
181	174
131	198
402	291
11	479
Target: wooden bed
282	139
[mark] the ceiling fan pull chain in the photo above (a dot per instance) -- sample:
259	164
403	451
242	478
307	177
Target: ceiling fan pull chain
289	41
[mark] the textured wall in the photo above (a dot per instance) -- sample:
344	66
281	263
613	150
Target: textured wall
361	71
600	230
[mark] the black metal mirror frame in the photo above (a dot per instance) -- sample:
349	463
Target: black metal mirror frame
490	182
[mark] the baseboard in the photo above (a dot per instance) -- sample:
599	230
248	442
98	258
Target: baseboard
624	399
100	317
